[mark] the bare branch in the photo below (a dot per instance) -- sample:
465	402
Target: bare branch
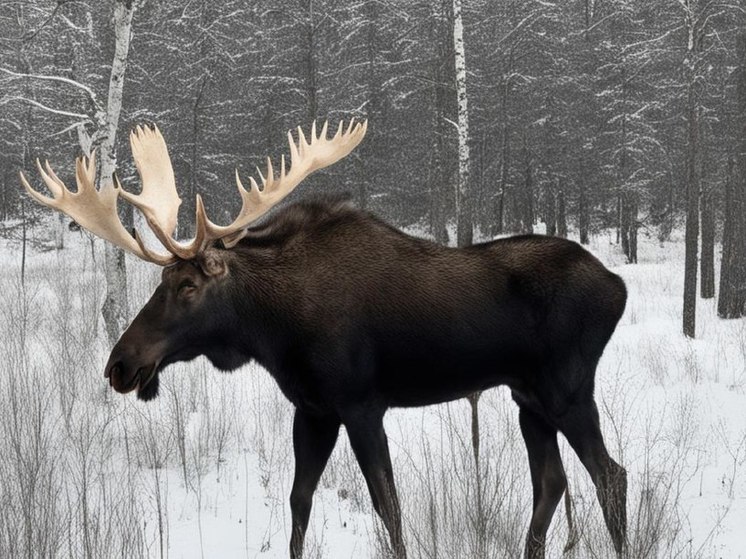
84	118
66	129
68	81
525	22
60	4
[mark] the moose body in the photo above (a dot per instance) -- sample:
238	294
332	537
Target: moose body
352	317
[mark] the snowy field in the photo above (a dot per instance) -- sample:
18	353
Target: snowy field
206	469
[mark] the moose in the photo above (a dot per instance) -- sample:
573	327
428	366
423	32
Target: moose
352	317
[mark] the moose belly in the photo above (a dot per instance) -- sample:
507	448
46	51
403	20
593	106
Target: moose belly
423	382
432	369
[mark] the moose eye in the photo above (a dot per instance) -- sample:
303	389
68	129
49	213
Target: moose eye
185	288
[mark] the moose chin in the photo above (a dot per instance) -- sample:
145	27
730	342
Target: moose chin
352	317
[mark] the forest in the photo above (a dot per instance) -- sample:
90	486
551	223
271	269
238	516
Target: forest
586	116
620	124
589	116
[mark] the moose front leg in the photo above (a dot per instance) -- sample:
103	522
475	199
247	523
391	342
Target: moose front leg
369	443
314	438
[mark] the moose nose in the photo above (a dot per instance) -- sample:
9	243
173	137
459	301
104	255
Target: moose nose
115	369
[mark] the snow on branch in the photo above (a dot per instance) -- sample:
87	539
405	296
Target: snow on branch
61	79
83	117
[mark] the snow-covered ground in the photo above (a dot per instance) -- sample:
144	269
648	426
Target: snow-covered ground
206	469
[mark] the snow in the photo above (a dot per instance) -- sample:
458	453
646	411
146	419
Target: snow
672	411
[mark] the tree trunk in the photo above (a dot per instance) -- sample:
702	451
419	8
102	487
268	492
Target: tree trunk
481	516
439	179
115	309
732	297
618	219
623	232
550	209
583	215
499	217
499	223
23	242
561	213
195	151
707	249
691	235
632	210
464	227
528	187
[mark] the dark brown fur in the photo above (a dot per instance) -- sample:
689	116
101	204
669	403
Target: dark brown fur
351	317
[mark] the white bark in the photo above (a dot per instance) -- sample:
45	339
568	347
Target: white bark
115	309
464	231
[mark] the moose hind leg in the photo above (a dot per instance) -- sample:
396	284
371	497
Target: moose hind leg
547	478
369	443
313	441
581	427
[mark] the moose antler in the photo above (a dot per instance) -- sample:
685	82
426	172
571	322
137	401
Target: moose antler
159	201
95	210
305	158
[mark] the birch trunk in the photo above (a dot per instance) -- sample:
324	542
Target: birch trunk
115	310
464	229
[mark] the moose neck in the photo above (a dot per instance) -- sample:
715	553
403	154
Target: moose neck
257	303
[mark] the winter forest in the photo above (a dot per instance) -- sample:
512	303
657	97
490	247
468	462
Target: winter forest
620	124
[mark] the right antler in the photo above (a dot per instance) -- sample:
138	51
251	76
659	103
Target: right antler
159	202
305	158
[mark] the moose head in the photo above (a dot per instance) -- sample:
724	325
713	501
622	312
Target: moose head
178	324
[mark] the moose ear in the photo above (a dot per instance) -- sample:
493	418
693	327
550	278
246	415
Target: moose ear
213	264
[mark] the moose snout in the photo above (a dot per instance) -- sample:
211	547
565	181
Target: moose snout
126	372
122	377
116	369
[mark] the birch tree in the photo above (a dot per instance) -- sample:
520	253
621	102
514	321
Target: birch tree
464	228
115	309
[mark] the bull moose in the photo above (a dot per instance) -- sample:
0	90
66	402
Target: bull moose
352	317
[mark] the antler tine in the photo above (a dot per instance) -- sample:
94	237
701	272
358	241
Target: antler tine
44	200
48	173
305	158
159	202
339	130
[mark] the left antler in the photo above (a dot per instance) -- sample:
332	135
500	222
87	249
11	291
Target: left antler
95	210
